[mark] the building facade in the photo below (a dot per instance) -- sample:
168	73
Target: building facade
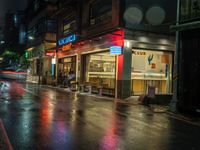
41	38
187	29
116	48
121	48
68	34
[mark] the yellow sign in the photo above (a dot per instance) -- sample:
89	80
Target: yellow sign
66	47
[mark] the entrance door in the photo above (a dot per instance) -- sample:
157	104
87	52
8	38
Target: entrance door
69	63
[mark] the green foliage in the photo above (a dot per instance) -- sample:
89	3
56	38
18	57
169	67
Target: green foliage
10	54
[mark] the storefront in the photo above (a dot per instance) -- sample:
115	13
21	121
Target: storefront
119	64
67	63
151	64
98	62
100	72
151	68
67	58
35	68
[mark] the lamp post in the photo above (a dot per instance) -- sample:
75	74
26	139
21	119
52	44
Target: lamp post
41	51
40	68
173	105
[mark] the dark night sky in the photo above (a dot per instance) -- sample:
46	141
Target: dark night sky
10	5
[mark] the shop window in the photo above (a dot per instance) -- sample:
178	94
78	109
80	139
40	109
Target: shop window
65	64
151	68
100	10
100	70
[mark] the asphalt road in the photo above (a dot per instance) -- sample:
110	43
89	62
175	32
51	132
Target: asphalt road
40	118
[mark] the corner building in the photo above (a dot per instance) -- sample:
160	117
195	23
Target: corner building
122	48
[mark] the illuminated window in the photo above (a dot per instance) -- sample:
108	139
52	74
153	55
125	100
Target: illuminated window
151	68
100	69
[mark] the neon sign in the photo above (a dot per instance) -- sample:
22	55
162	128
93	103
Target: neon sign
66	47
67	40
115	50
50	53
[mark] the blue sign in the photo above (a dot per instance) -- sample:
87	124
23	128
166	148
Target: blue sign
115	50
67	40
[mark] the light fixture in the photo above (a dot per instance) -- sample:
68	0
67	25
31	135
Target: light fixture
31	37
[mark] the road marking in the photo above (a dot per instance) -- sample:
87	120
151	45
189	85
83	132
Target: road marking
5	136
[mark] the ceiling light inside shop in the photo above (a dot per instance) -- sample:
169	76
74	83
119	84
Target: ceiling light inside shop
162	47
127	43
143	39
164	41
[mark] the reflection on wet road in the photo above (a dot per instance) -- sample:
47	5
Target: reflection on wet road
42	118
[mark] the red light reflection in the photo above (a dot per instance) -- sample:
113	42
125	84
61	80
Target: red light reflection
15	90
110	140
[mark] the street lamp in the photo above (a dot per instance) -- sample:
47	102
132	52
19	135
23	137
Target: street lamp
30	37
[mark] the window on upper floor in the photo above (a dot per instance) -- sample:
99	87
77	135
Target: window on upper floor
43	26
189	9
100	10
69	25
51	26
36	4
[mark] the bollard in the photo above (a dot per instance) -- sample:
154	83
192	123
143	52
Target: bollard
100	91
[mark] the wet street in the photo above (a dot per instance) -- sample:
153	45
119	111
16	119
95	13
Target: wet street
40	118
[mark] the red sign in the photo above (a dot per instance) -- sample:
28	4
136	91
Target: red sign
50	53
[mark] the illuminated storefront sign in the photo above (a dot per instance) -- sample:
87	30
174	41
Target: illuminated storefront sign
139	52
115	50
67	40
53	61
67	60
50	53
66	47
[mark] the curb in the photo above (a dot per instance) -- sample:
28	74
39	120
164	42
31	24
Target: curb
184	118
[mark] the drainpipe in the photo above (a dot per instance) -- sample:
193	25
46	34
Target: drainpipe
173	105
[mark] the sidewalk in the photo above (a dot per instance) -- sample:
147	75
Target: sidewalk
133	100
4	140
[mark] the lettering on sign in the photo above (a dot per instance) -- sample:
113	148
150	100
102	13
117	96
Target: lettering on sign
115	50
66	60
67	40
66	47
50	53
139	53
